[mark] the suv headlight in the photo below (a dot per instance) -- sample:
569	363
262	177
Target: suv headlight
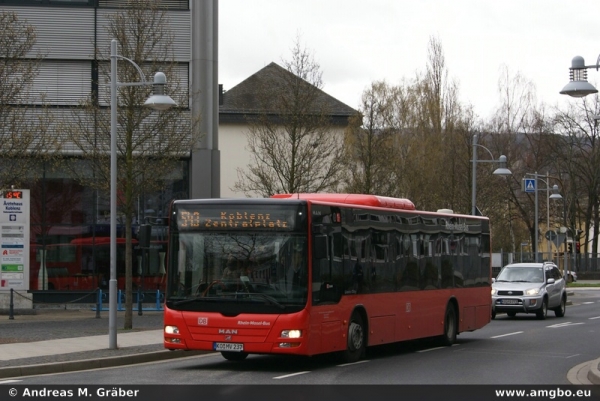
494	291
532	291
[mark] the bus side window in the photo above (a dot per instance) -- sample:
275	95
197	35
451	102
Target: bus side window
320	247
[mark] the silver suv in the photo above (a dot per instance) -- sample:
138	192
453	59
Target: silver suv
529	288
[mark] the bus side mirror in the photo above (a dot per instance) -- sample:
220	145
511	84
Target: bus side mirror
320	247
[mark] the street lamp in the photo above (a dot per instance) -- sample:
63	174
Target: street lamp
502	170
554	196
578	86
158	101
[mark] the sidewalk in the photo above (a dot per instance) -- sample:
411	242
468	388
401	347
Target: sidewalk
63	340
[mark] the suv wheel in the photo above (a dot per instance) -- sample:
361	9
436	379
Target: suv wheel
543	312
562	308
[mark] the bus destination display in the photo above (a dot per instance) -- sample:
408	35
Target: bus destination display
231	219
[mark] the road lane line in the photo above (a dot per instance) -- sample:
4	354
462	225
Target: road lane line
592	318
431	349
567	324
509	334
352	363
291	374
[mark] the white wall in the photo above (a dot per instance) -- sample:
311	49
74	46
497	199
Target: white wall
234	154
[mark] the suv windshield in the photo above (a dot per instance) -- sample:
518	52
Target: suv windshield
237	272
521	275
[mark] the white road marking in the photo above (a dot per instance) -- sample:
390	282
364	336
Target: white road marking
431	349
10	381
592	318
290	375
566	324
509	334
352	363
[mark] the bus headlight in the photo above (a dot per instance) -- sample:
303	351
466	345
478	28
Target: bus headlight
171	330
291	333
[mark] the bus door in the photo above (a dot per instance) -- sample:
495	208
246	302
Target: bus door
327	280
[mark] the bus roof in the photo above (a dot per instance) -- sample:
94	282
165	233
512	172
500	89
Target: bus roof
353	199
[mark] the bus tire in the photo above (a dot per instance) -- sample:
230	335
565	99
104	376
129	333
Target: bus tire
234	356
450	326
355	345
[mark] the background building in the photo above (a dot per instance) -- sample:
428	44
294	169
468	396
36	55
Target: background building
70	222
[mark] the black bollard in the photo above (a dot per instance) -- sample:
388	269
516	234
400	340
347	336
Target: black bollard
139	301
98	302
11	309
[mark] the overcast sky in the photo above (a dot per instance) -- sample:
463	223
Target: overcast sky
358	42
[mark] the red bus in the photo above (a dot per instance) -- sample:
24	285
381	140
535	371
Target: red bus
83	264
308	274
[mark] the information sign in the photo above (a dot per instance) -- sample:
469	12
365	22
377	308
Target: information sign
14	239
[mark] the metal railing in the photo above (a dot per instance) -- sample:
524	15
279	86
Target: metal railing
578	262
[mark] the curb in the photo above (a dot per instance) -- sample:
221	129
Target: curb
88	364
594	373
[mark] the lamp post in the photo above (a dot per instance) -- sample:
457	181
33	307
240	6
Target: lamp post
502	170
554	196
578	85
158	101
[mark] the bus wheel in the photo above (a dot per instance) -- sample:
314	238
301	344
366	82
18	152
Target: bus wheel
234	356
450	326
355	347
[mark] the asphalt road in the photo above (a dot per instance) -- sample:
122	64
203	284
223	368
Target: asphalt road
516	351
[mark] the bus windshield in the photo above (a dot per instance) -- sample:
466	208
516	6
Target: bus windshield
239	272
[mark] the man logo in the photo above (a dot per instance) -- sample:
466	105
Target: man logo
228	331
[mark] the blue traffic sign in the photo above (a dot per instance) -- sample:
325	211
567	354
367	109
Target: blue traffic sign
529	184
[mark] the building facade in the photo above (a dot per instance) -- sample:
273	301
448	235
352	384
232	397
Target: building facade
70	222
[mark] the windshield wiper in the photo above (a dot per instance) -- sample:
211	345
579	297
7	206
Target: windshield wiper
268	298
190	300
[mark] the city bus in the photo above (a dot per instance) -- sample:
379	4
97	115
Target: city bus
83	264
308	274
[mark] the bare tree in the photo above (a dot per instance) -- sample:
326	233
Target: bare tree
290	138
521	130
433	131
369	144
24	141
149	144
577	150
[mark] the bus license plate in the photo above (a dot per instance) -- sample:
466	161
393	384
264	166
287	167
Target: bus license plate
233	347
